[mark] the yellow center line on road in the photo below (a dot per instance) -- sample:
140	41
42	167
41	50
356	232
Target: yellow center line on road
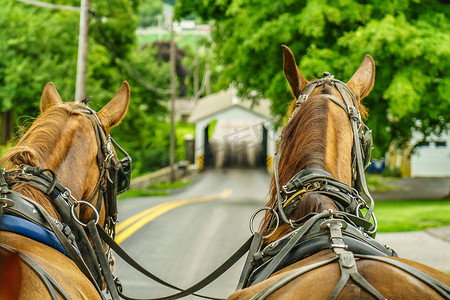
128	227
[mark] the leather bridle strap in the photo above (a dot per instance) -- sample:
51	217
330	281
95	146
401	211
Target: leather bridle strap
183	292
246	271
355	120
102	260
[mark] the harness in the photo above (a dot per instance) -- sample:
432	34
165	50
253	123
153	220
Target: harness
348	246
22	215
348	232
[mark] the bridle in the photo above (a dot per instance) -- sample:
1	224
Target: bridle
114	179
346	232
115	175
349	199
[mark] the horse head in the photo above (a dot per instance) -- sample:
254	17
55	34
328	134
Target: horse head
318	138
72	141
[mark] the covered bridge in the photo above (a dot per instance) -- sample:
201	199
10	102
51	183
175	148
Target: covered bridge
231	132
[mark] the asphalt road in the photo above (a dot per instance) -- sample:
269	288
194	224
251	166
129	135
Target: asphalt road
182	244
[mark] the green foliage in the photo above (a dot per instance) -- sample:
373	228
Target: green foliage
409	40
33	52
38	45
410	215
148	13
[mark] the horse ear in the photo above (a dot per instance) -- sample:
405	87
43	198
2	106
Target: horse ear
50	97
362	81
292	73
113	112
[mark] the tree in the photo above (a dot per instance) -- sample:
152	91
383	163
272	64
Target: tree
38	45
409	40
148	13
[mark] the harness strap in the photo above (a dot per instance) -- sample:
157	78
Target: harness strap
81	262
441	288
42	181
246	271
101	257
189	291
263	294
347	265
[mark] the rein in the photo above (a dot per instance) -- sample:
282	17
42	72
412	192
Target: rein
71	233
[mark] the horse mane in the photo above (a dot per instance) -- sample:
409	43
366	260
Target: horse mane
303	142
37	144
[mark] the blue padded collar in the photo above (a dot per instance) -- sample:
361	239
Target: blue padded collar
31	230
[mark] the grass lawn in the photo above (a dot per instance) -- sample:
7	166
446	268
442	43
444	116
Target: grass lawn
400	216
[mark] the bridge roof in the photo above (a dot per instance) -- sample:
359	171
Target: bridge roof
215	103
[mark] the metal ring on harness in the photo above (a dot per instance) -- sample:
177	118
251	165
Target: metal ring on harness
74	215
257	212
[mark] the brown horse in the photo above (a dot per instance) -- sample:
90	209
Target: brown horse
58	162
316	240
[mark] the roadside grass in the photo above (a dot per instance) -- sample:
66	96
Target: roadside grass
400	216
392	216
379	183
161	189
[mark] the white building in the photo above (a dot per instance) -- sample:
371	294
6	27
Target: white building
429	158
432	157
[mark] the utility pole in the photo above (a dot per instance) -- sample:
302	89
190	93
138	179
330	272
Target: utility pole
196	69
80	89
172	103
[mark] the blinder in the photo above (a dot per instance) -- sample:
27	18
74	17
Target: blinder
118	179
120	171
366	145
